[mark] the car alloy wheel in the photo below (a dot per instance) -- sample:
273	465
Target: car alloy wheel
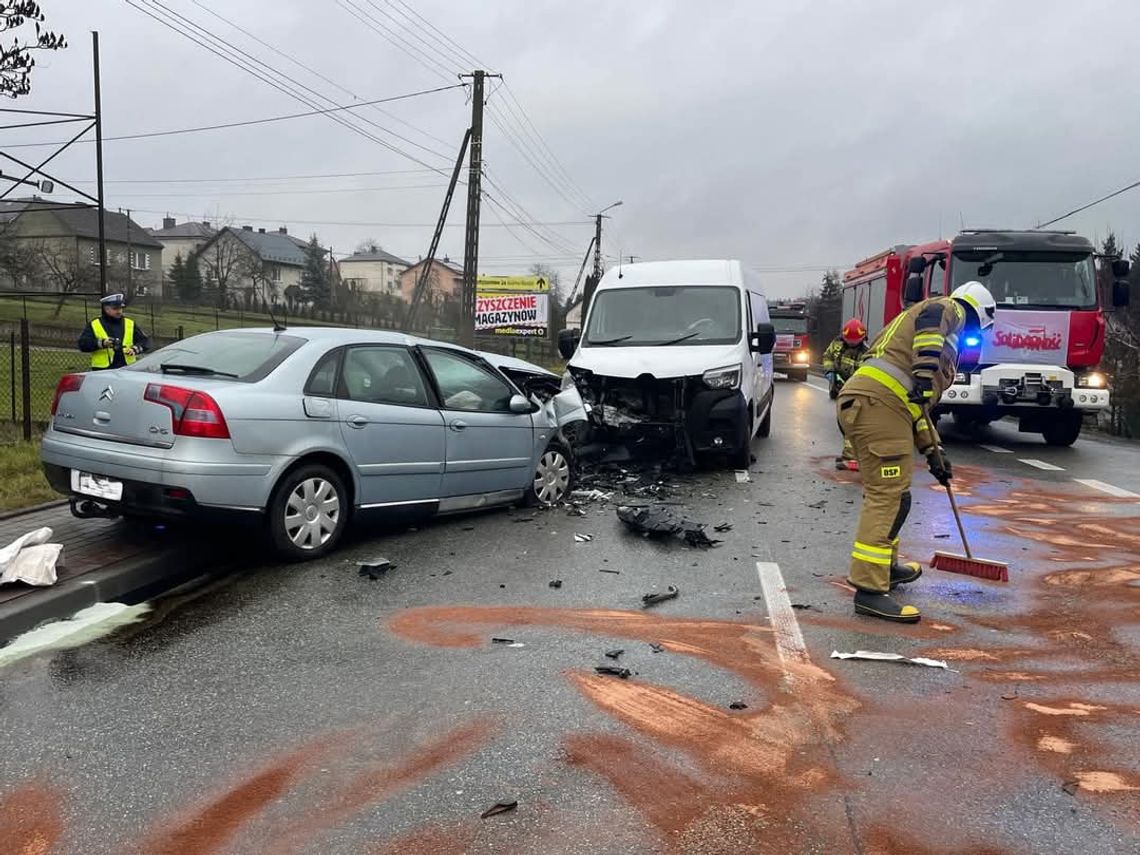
551	476
312	513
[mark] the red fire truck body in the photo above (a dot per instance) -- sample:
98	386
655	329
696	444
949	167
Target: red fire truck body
794	331
1038	362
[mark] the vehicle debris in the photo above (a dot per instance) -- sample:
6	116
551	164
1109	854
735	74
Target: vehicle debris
614	654
555	583
508	642
594	495
738	705
375	569
803	606
656	648
891	657
742	476
818	505
724	526
614	572
648	600
658	520
582	538
498	807
613	670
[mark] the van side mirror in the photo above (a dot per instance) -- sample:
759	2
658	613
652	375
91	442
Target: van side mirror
568	342
763	341
913	292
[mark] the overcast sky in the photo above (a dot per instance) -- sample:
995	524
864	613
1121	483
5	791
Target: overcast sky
791	135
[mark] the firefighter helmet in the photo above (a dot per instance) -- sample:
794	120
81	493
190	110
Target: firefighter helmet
854	331
977	296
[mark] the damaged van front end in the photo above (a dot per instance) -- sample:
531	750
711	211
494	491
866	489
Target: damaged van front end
686	416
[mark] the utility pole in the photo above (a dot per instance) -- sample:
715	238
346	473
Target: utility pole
474	196
99	167
130	259
592	281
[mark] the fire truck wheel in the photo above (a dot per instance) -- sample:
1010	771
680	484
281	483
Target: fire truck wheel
1063	430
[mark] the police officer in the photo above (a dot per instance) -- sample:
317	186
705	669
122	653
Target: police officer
112	340
884	411
840	360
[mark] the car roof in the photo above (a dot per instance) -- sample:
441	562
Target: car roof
333	336
714	271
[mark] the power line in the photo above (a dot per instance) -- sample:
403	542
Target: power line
376	26
206	194
326	79
254	178
1114	193
276	218
264	72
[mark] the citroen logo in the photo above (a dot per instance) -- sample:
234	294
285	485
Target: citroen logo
107	394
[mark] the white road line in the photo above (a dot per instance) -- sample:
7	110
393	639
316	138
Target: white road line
996	449
811	385
789	639
1107	488
1040	464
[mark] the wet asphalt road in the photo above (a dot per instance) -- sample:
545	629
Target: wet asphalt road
306	709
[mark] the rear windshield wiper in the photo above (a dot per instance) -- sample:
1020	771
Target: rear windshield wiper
194	369
620	338
685	337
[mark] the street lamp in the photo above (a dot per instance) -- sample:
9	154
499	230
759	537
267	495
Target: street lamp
44	186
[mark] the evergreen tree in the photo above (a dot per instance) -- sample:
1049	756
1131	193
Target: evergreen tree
315	284
192	284
178	276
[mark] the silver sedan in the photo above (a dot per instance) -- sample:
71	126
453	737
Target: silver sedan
300	430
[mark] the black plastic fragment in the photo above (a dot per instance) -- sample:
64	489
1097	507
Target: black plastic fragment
648	600
738	705
613	670
501	806
555	583
375	569
614	654
658	520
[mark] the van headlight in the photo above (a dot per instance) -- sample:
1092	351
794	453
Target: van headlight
1092	380
567	381
723	378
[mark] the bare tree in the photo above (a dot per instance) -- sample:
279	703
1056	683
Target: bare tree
16	59
224	262
64	266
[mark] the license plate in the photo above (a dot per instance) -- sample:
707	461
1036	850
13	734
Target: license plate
99	486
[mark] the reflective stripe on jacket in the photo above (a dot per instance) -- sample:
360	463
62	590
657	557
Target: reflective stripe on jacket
102	357
843	359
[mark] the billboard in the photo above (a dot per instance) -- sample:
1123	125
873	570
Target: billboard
512	306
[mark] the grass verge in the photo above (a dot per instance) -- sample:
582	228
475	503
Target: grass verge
22	482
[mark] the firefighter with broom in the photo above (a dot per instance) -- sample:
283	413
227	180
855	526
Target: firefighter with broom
840	360
884	411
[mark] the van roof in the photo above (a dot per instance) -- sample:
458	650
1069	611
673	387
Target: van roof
715	271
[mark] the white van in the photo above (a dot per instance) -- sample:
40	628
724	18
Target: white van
679	351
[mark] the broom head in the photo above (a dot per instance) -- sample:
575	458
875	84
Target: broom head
978	567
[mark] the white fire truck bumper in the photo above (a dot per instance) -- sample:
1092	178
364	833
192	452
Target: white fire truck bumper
1019	386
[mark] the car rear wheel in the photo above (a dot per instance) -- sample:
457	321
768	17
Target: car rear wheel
553	477
308	513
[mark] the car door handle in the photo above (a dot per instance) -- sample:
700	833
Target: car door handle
458	425
357	421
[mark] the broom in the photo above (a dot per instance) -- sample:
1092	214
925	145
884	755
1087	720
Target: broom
967	565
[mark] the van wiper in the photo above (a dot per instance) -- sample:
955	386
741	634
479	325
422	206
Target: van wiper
194	369
620	338
685	337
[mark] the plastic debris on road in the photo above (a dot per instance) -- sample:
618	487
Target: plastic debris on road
614	671
648	600
594	495
501	806
375	569
30	559
742	476
614	654
582	538
662	521
875	656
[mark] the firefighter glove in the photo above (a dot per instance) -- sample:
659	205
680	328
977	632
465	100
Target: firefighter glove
939	466
922	392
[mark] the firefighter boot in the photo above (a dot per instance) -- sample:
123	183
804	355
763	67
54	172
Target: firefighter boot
884	606
903	574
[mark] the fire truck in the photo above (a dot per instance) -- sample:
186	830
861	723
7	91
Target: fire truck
794	332
1039	361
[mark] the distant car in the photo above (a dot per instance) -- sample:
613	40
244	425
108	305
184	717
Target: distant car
300	429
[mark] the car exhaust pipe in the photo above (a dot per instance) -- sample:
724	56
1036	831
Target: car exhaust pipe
90	509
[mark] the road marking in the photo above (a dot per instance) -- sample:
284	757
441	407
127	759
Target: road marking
996	449
1040	464
1107	488
789	639
811	385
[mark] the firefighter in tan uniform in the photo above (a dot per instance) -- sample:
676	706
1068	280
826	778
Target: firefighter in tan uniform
884	411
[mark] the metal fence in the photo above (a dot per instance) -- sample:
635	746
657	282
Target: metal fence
39	346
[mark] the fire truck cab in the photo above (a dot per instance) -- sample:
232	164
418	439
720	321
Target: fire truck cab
794	332
1039	361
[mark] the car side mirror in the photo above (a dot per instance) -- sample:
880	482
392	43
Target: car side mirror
568	342
913	292
519	404
763	341
1120	293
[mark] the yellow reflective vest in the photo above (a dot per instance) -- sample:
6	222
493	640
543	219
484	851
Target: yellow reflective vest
101	357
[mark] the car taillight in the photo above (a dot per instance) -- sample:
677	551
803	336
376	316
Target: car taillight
67	383
194	413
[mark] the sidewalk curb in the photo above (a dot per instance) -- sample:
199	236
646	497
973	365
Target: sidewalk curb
130	581
46	506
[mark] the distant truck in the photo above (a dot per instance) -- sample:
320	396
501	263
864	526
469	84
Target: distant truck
795	331
1039	362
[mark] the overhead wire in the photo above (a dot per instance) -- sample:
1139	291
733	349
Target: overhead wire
1085	207
361	14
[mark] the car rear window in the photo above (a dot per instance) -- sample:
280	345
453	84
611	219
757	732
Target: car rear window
248	356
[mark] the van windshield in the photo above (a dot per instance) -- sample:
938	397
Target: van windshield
662	315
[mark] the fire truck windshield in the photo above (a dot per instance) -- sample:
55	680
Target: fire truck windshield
790	325
1030	280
